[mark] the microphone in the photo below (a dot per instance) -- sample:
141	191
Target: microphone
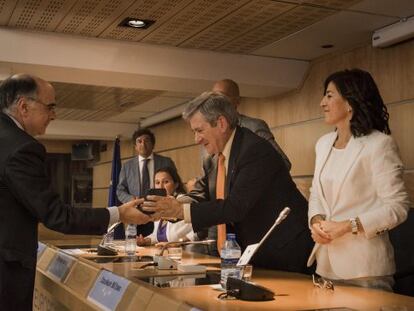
107	250
252	248
282	215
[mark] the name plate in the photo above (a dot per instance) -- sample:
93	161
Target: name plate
108	290
40	249
60	266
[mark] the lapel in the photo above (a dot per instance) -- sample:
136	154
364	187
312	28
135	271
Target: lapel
324	153
234	154
211	169
135	174
354	147
157	163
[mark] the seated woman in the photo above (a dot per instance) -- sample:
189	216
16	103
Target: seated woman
357	192
164	230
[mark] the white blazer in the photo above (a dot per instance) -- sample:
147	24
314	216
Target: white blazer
372	189
175	231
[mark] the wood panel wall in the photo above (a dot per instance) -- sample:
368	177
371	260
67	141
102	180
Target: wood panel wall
296	119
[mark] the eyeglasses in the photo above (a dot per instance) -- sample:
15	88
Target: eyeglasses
50	107
322	283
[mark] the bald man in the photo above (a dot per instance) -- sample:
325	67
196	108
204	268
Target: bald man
27	106
259	127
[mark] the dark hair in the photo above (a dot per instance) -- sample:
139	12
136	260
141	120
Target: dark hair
175	177
14	87
359	89
141	132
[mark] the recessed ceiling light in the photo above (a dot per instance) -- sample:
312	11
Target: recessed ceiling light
327	46
136	23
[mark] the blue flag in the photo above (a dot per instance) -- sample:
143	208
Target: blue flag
112	197
116	168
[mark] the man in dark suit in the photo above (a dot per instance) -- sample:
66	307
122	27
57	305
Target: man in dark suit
257	187
27	106
137	175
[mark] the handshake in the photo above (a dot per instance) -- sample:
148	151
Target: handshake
154	206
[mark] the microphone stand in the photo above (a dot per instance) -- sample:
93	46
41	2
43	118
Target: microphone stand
107	250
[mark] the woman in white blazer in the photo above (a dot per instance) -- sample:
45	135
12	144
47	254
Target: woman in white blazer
357	193
166	231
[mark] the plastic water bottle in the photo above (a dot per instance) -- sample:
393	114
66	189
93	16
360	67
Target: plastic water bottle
131	240
230	254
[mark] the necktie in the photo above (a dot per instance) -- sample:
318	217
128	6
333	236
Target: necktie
220	184
145	178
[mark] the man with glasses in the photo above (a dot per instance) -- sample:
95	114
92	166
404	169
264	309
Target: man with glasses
137	175
26	108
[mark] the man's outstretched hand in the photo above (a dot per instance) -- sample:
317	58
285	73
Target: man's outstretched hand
129	214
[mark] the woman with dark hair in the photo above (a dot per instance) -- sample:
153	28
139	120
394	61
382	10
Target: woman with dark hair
357	193
164	230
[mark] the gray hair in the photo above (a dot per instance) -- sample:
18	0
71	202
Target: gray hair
212	105
14	87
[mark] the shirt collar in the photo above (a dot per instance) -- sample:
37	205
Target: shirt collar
141	158
227	147
15	121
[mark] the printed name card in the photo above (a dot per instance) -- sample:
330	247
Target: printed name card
108	290
40	249
60	266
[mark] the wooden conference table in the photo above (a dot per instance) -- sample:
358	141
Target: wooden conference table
293	291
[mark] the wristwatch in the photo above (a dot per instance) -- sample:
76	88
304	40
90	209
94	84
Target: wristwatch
354	225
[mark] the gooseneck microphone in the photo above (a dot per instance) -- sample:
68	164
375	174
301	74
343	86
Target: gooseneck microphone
252	248
282	215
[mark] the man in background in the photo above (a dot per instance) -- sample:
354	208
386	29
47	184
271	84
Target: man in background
27	105
137	175
259	127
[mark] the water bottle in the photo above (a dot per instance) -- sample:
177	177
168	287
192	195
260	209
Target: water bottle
131	240
230	254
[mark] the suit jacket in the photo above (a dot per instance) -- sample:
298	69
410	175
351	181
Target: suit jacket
174	231
129	186
129	178
260	128
258	187
26	198
372	189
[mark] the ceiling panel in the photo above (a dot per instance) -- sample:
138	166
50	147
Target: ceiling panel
160	103
285	24
91	17
397	8
40	15
6	9
250	16
128	117
89	102
334	4
341	30
156	10
194	18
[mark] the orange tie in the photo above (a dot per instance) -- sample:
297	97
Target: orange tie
220	184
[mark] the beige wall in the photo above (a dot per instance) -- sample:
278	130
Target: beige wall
296	120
